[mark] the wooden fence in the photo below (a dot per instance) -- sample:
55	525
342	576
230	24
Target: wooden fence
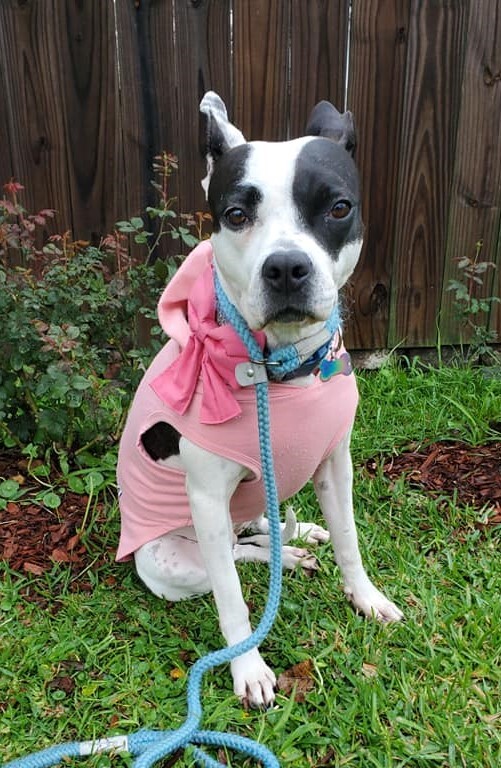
90	91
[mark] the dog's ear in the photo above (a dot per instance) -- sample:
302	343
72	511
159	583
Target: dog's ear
326	121
220	134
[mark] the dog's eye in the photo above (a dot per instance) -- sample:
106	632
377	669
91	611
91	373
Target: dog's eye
340	210
236	217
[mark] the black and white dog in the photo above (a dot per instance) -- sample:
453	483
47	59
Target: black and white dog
287	234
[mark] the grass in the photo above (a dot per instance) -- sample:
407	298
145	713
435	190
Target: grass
80	664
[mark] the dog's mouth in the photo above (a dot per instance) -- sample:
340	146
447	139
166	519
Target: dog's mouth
289	315
293	313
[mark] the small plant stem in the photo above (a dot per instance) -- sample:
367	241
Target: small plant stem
29	398
88	445
86	513
5	427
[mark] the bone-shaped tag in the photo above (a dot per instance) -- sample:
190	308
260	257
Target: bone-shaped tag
330	368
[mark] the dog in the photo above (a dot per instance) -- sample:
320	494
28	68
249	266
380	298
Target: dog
287	234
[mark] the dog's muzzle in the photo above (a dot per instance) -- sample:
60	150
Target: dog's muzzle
286	277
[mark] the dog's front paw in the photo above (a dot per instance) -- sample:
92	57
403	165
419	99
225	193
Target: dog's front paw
253	681
372	603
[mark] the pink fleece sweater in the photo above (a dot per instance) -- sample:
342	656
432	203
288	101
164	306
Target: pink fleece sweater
306	425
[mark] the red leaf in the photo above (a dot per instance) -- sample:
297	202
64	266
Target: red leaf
60	556
298	678
12	187
36	570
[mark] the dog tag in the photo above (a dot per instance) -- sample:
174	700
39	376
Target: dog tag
330	368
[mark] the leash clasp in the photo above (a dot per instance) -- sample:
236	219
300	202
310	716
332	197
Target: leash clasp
251	372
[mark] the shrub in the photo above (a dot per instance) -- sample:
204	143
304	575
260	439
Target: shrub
65	336
70	357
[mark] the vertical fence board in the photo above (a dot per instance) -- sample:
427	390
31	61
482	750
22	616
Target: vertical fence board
135	117
495	315
203	40
6	170
260	62
432	96
476	194
149	93
85	33
35	110
375	95
319	38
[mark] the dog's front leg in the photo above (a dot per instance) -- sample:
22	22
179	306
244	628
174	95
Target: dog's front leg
210	483
334	484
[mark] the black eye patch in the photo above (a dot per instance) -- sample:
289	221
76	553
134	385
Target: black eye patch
228	190
326	192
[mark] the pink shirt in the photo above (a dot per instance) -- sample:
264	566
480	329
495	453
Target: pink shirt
306	425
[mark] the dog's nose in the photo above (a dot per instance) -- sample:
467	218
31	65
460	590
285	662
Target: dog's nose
286	271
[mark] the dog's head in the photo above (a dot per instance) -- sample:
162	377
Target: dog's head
287	226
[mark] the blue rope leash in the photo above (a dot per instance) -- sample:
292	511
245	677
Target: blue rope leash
151	746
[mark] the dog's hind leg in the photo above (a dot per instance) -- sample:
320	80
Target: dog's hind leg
172	567
292	557
259	531
256	546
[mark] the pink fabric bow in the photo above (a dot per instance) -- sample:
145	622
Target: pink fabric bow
210	352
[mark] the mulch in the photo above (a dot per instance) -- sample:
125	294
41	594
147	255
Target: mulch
33	538
469	474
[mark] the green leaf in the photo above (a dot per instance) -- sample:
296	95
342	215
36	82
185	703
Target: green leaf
74	399
72	332
16	361
54	422
80	382
189	240
76	484
125	227
137	222
161	269
64	464
93	481
9	489
51	500
161	213
42	470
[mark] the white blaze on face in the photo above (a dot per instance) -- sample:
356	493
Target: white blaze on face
240	255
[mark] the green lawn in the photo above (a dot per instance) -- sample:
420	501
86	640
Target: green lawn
77	665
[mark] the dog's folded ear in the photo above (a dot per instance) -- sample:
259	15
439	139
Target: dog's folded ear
326	121
220	134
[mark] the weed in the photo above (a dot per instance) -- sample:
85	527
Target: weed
470	309
163	218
